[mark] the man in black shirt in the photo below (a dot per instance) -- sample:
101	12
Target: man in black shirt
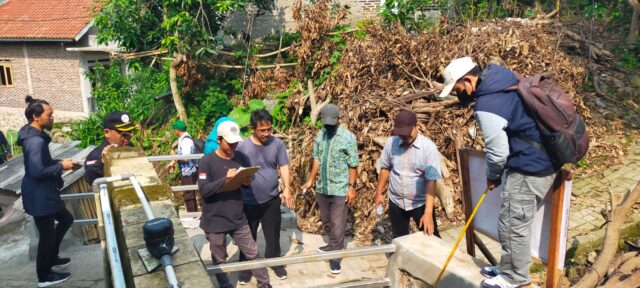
222	211
117	132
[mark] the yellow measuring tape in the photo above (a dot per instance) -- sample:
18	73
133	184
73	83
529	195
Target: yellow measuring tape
455	246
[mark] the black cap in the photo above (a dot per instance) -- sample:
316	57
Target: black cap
329	114
404	122
119	121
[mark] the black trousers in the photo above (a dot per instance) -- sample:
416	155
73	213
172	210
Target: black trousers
50	236
400	219
267	213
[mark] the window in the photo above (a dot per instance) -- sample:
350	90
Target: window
6	75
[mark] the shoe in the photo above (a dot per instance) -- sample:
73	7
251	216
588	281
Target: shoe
61	262
54	278
490	271
324	248
244	278
335	267
499	282
281	273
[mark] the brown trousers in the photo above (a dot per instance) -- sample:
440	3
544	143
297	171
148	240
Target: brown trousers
189	197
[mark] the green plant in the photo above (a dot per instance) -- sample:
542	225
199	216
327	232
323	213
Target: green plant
242	114
208	106
281	120
408	13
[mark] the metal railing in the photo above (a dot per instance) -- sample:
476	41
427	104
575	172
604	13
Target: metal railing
179	188
79	196
297	259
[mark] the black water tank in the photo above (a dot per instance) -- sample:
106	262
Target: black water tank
158	236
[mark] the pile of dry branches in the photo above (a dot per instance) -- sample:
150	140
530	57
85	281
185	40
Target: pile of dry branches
390	69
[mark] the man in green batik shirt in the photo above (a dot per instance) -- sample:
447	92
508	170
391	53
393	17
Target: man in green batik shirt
335	158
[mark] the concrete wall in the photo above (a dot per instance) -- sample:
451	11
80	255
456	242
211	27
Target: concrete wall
281	19
129	218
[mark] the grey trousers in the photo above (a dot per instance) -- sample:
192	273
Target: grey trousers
521	199
246	244
333	214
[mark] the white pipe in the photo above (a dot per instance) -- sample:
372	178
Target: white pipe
168	271
142	197
117	275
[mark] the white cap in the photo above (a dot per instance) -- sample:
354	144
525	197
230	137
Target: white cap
454	71
230	131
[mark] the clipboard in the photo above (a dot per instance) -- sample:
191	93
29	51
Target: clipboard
235	182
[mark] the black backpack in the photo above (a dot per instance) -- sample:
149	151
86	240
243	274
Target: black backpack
198	144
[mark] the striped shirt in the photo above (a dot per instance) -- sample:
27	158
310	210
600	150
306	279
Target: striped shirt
410	168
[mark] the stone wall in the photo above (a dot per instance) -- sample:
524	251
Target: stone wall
129	217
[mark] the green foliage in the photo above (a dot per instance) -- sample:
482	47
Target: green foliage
281	120
334	59
405	13
242	114
134	93
184	26
12	137
630	57
208	106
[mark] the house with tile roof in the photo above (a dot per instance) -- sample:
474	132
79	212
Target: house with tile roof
46	47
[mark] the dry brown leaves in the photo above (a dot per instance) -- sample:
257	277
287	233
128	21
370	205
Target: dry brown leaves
378	73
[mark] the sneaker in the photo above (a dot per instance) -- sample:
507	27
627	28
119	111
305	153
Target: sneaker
490	271
244	278
54	278
280	272
499	282
324	248
335	267
61	262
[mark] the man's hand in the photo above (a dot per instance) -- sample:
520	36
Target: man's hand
67	164
171	166
351	195
286	197
308	185
379	200
426	223
232	172
246	181
492	184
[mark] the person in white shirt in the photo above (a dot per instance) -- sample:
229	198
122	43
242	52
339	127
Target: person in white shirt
187	167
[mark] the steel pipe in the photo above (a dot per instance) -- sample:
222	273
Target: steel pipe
296	259
117	275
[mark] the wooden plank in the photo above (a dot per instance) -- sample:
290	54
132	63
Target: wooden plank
555	235
466	199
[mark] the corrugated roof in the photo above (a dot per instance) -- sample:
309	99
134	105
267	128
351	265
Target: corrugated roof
44	19
12	171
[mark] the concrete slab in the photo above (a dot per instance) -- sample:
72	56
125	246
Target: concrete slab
423	257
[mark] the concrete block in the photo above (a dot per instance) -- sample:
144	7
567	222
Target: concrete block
191	275
185	254
134	214
423	257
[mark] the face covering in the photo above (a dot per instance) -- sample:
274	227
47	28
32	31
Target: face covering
331	129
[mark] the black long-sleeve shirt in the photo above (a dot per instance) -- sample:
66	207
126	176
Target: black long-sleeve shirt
222	210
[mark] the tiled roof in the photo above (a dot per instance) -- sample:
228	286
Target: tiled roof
44	19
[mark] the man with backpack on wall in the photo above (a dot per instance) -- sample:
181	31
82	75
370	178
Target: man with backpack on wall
521	138
188	168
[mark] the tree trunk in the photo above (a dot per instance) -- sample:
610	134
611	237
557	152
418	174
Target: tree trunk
633	31
607	254
177	99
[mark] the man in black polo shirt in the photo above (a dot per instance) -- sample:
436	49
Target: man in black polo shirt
117	132
222	213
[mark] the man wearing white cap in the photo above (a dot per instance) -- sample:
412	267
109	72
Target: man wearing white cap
222	213
513	144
